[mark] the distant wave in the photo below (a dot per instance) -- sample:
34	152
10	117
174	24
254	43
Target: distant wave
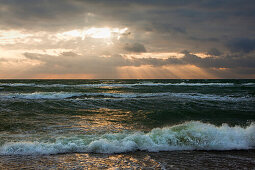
202	84
17	84
39	95
101	85
192	135
65	95
64	85
248	84
211	97
123	96
191	96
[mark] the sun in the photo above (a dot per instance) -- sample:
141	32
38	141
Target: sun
94	32
98	33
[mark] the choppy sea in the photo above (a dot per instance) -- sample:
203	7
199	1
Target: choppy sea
158	124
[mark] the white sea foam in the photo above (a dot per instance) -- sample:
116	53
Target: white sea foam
17	84
104	85
169	95
211	97
39	95
101	85
128	95
202	84
187	136
123	96
83	85
248	84
64	95
127	85
65	85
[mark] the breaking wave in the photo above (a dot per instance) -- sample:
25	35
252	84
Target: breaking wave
17	84
102	85
39	95
65	95
203	84
212	97
192	135
248	84
123	96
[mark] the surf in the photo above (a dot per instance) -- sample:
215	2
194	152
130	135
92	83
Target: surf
193	135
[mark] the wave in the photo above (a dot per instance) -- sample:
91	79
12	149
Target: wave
211	97
169	95
203	84
66	95
248	84
86	85
122	96
17	84
65	85
39	95
185	84
117	85
128	95
192	135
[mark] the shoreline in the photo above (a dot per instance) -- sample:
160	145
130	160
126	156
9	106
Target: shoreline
240	159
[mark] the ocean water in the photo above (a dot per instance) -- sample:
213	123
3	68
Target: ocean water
163	124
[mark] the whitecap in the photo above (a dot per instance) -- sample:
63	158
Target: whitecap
192	135
39	95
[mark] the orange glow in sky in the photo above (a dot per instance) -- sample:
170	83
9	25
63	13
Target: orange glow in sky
171	72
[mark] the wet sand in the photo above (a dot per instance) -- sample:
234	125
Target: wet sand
241	159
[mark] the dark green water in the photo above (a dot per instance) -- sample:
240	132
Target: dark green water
118	116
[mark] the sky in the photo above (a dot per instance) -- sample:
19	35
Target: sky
111	39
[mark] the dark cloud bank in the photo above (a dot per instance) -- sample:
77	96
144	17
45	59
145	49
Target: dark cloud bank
222	67
136	47
223	29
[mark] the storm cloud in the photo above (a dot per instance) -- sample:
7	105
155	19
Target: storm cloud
136	47
55	36
69	62
245	45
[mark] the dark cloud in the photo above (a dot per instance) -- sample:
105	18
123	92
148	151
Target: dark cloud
41	14
214	52
72	63
220	62
210	39
161	26
194	20
245	45
136	47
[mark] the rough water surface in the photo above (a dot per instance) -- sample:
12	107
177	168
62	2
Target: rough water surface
127	123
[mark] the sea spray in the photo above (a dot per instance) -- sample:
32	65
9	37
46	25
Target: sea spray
124	96
193	135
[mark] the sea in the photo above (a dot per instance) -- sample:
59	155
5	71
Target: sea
127	124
